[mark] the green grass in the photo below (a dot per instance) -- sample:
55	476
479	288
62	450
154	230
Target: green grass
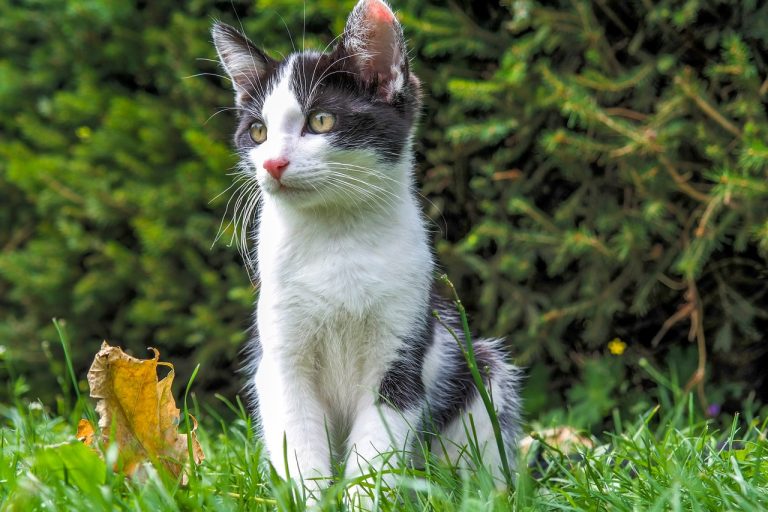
665	459
662	461
672	466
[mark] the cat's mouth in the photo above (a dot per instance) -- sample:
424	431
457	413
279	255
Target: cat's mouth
290	191
287	189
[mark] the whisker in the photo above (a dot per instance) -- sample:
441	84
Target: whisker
343	165
197	75
244	195
241	190
248	217
222	109
314	70
234	182
326	73
380	189
287	30
367	193
258	88
304	24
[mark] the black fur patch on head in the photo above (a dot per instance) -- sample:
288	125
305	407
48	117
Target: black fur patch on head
365	82
331	83
246	65
254	95
455	388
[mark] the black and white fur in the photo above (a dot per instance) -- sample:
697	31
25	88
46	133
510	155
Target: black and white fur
347	348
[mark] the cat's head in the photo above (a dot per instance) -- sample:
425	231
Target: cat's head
327	128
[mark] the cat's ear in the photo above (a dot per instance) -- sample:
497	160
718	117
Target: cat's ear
245	64
373	40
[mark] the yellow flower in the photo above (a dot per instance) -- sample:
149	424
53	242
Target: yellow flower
616	346
83	133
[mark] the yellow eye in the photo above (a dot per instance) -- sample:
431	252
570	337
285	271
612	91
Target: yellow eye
258	132
321	122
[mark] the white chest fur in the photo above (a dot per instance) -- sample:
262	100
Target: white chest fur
338	294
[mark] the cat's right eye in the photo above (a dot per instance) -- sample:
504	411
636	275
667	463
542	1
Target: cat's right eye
258	132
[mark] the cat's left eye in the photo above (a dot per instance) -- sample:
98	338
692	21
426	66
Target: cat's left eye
321	122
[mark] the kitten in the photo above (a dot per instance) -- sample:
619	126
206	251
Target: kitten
347	351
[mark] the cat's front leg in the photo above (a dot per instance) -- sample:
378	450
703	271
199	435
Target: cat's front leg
380	441
293	424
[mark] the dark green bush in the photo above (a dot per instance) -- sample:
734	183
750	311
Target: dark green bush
594	171
608	162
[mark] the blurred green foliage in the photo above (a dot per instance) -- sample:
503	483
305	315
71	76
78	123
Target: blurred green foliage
593	171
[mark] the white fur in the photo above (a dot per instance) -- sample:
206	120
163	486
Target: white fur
338	293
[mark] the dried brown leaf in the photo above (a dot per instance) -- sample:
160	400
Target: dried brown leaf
564	438
137	412
85	432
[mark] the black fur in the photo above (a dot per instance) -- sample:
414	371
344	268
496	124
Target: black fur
402	386
247	75
455	388
331	82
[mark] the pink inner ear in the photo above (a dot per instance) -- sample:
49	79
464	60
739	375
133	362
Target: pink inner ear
372	36
379	12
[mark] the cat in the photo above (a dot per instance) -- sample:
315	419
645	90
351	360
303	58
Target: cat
349	362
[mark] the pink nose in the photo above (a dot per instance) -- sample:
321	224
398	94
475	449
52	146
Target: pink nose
276	166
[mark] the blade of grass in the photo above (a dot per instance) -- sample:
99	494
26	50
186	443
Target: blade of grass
188	426
469	355
64	339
